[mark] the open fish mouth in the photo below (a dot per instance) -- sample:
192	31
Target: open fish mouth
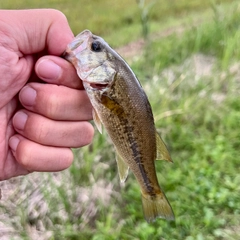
95	86
98	86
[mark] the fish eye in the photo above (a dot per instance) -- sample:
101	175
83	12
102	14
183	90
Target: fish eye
96	46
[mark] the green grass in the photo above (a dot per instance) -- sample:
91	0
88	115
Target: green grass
119	21
219	39
197	113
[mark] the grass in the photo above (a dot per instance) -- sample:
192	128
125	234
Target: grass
192	81
117	21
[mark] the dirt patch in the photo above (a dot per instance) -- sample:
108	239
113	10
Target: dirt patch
135	49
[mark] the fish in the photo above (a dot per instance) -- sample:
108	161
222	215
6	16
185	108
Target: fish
122	107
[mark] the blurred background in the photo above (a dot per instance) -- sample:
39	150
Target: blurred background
186	55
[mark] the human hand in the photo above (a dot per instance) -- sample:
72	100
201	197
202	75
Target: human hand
38	137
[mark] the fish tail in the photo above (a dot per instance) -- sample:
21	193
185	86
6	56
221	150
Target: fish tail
156	206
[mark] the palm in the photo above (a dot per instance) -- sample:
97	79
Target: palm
13	69
9	164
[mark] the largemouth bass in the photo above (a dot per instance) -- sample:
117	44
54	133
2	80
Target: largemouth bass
122	107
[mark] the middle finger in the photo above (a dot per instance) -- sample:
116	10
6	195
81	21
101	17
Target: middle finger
56	102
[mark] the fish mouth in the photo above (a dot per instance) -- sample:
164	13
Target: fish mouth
95	86
98	86
79	44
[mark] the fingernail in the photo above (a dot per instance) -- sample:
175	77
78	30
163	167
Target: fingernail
27	96
48	70
13	143
19	120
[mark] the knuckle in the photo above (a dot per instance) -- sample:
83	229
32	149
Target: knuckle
36	129
41	133
52	107
25	154
58	14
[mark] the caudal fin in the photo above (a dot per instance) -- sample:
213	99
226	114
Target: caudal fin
156	207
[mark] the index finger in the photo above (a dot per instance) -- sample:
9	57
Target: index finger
56	70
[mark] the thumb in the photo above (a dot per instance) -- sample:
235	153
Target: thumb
37	30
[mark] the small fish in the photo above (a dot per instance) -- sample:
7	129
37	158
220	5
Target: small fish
121	105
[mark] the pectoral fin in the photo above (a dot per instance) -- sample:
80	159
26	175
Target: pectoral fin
122	168
97	120
162	152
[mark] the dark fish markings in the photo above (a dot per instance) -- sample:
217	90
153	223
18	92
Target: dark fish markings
117	110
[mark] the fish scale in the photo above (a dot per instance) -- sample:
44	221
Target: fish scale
122	107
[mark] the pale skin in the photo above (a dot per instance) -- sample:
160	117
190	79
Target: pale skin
44	110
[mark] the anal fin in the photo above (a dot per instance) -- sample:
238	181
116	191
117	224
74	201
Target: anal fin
162	151
122	168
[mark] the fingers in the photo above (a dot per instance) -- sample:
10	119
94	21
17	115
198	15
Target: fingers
56	70
56	102
52	133
35	157
54	119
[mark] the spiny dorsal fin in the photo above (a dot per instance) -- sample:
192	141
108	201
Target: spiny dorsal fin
162	152
97	120
122	168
